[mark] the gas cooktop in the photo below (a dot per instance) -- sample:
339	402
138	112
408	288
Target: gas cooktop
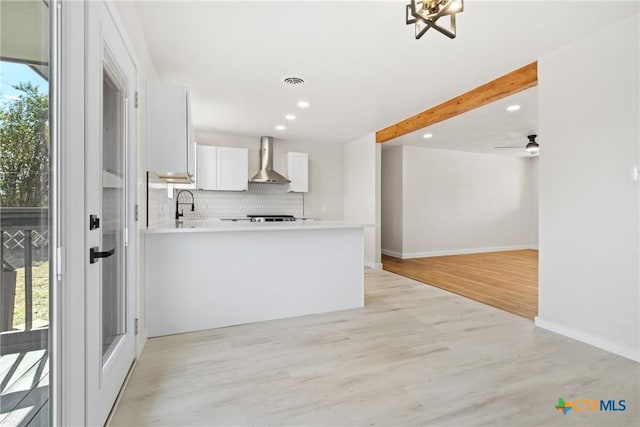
271	218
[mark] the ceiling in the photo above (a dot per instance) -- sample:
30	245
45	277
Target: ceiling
362	67
24	29
484	128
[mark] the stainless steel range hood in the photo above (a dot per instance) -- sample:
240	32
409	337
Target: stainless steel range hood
266	172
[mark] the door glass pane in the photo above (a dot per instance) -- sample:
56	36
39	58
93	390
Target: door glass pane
24	213
113	209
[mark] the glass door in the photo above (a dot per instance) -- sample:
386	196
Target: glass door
24	213
113	280
111	133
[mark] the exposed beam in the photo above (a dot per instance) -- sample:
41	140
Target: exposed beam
516	81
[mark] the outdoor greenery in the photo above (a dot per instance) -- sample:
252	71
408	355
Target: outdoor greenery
40	296
24	181
24	149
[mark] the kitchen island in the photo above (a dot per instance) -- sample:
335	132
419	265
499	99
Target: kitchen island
210	274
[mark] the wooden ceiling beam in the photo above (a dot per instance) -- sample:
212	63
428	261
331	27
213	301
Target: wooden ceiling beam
513	82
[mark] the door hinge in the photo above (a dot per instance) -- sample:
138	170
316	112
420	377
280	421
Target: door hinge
135	100
135	212
135	327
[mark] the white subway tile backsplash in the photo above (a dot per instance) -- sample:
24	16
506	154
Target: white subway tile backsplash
260	199
159	207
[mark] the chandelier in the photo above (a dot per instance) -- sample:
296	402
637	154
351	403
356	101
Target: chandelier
425	13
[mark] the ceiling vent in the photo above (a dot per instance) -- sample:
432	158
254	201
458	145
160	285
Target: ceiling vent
293	80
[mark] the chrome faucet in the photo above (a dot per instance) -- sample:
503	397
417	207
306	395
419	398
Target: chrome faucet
178	203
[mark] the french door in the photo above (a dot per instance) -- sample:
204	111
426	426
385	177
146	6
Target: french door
110	132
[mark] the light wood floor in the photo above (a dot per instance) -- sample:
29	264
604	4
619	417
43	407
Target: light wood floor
506	280
414	356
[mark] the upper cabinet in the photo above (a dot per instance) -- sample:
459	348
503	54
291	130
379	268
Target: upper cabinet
222	168
171	146
298	171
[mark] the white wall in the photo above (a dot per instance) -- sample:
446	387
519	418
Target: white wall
146	71
589	202
362	192
534	182
456	202
392	203
325	197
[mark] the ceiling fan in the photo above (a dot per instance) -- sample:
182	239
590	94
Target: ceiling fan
532	146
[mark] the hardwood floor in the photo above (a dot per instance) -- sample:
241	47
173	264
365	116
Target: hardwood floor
413	356
506	280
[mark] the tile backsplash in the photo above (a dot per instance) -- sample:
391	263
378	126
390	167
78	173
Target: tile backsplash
260	199
159	206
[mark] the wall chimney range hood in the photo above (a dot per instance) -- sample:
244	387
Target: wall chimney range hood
266	172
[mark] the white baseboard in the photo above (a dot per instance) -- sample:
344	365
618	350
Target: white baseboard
408	255
391	253
586	338
376	265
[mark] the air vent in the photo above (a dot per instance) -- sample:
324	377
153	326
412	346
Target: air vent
293	80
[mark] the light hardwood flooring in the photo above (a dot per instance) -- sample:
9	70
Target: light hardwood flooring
413	356
506	280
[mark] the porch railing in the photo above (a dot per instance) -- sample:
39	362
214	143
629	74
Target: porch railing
25	240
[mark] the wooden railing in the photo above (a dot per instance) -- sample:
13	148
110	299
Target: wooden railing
22	230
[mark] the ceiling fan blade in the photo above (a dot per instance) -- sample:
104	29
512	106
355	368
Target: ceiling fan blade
509	146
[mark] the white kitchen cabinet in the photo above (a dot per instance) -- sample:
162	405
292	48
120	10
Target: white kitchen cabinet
206	167
232	169
298	172
222	168
171	146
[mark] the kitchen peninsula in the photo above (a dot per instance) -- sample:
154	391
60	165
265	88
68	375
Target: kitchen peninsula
208	274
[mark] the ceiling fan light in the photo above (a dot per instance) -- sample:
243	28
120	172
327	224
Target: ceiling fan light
532	147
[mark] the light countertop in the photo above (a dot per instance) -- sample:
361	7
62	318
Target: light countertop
217	225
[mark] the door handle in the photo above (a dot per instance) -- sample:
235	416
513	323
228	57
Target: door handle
95	254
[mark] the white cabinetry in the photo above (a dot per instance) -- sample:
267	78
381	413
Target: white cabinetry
206	169
298	172
171	149
222	168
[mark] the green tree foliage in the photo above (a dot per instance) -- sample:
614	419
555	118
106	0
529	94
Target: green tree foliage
24	149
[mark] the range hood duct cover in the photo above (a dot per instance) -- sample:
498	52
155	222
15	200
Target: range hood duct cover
266	172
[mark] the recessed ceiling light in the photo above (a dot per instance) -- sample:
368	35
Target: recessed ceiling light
280	127
290	117
514	107
427	135
303	104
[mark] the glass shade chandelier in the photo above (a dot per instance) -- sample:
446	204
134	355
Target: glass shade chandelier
425	13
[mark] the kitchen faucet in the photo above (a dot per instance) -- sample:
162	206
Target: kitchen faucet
178	203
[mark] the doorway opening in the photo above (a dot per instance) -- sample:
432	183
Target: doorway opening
460	205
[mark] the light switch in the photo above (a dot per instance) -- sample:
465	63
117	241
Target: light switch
636	173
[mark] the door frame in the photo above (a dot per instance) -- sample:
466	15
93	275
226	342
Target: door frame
68	405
